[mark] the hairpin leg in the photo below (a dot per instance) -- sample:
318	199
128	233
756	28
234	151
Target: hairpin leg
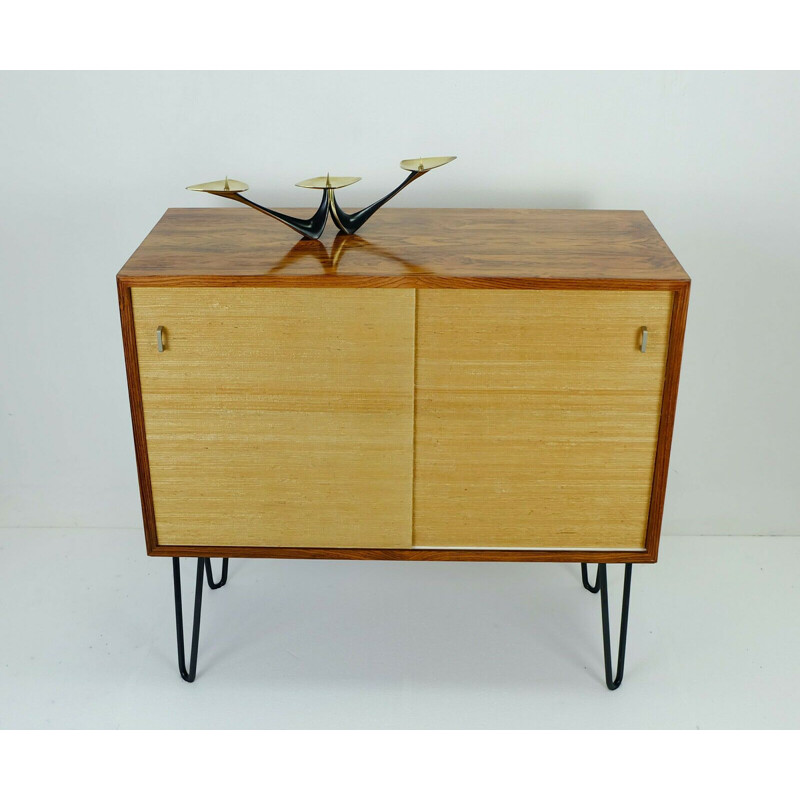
210	576
188	675
585	578
602	585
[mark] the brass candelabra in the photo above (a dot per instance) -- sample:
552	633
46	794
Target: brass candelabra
313	227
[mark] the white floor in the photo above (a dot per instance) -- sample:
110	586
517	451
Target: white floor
87	640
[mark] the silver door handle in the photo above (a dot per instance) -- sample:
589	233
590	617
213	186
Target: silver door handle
644	338
160	338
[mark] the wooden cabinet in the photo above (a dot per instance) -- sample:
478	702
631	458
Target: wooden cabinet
456	384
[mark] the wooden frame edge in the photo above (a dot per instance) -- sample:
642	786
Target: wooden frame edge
406	554
669	400
417	281
137	411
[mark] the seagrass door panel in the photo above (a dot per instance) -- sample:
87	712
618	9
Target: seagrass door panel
537	417
278	416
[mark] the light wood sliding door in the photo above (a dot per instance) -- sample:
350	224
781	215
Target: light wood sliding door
537	416
278	417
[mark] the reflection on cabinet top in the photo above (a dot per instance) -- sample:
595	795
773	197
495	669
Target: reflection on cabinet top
409	247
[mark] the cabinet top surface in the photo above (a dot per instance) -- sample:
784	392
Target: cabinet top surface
406	247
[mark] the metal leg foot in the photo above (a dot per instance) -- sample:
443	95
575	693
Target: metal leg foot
602	585
188	675
210	576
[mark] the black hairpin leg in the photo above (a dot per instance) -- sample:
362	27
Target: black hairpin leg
601	585
209	575
203	565
188	675
585	578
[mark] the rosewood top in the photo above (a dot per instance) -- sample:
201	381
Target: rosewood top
409	247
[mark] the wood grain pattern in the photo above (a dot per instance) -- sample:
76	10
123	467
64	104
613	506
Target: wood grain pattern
537	417
411	554
414	248
137	414
278	417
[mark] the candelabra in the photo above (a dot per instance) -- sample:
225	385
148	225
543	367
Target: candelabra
313	227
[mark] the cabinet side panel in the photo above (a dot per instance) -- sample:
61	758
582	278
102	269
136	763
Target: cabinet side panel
537	417
680	307
137	414
278	417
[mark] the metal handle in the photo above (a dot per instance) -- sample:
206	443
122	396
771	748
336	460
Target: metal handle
160	338
644	338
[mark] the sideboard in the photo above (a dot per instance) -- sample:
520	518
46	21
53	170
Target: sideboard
455	384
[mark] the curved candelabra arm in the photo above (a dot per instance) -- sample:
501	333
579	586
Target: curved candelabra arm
311	228
350	223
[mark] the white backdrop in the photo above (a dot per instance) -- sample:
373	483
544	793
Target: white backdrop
91	160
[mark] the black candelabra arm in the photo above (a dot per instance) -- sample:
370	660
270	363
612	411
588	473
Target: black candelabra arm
311	228
350	223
